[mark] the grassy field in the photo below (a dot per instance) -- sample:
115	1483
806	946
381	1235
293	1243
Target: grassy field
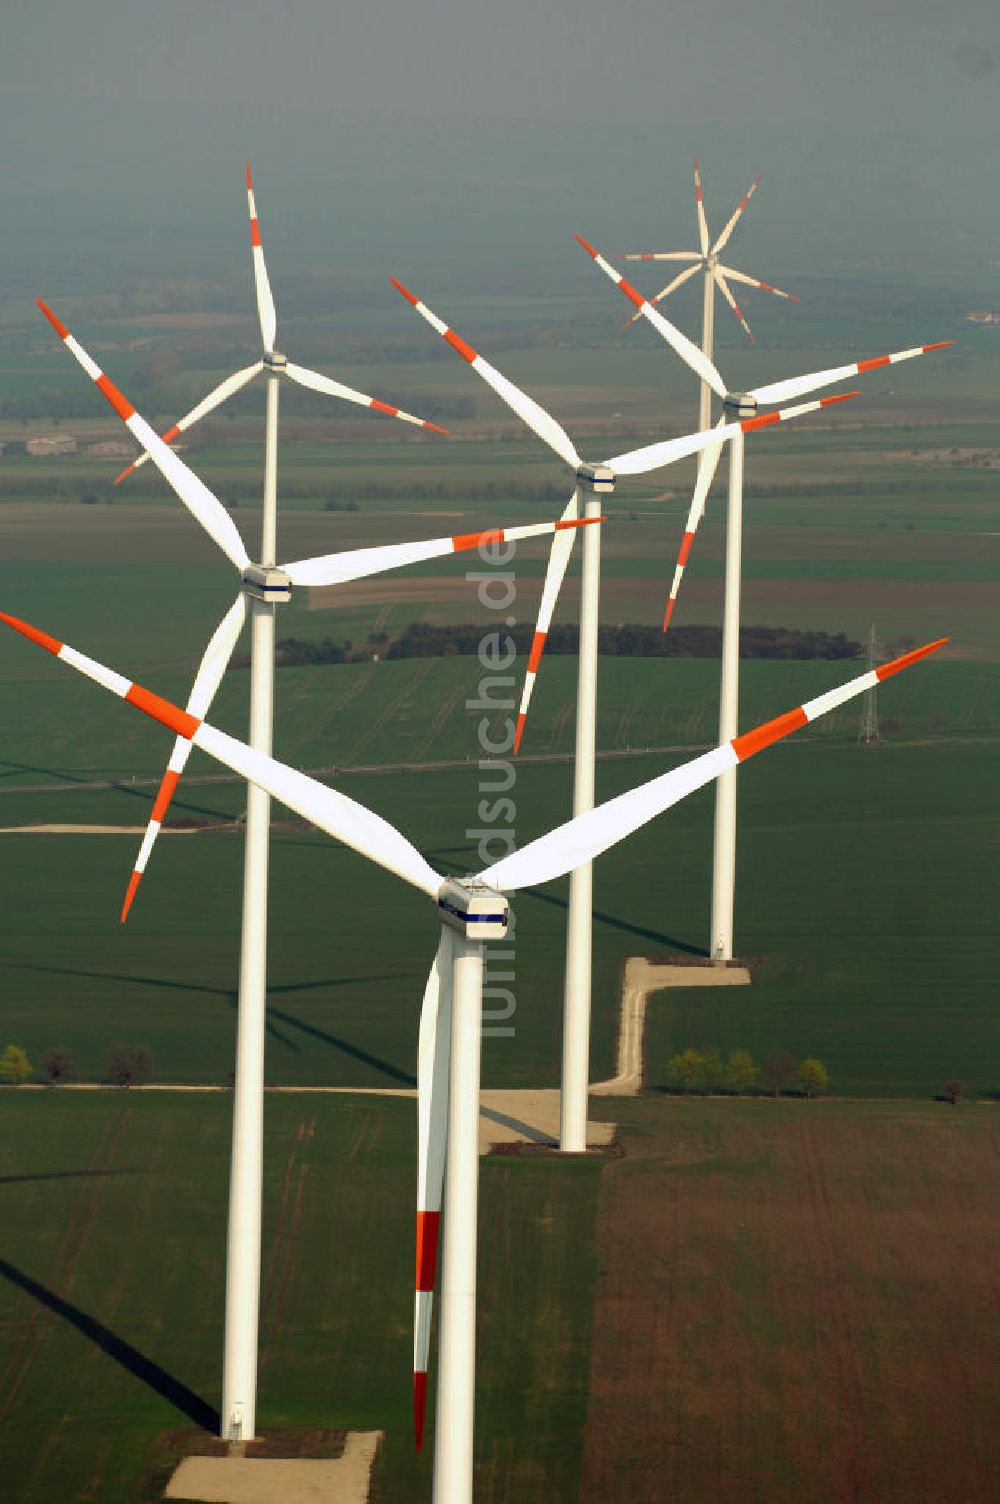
768	1295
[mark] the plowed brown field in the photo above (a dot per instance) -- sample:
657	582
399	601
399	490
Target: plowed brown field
797	1300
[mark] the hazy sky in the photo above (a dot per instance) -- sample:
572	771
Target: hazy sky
456	128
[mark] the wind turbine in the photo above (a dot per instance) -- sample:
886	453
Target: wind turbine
265	584
724	857
593	482
471	912
276	365
706	260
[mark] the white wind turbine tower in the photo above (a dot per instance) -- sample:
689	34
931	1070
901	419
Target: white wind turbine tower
471	912
724	855
592	483
716	276
264	585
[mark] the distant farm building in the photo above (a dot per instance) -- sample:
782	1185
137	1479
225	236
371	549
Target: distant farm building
62	443
115	449
983	316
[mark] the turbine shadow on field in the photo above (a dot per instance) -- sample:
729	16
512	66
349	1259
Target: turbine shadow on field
394	1073
63	1175
611	921
136	1363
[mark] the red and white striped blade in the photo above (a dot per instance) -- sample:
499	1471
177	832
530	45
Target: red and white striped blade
582	839
207	680
726	292
707	467
433	1055
345	819
318	383
663	256
664	292
538	420
199	500
358	563
797	386
559	557
734	276
653	456
688	352
700	207
232	384
262	287
739	210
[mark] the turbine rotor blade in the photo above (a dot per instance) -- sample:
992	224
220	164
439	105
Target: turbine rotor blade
528	410
199	500
706	474
433	1054
232	384
330	388
679	342
700	209
664	292
663	256
734	276
359	563
582	839
262	287
798	386
739	210
559	557
723	287
653	456
213	666
345	819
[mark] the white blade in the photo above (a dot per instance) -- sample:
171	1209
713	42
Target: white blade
538	420
207	680
199	500
797	386
688	352
262	287
582	839
664	292
663	256
343	818
433	1052
330	388
707	467
358	563
735	276
726	292
559	557
641	461
700	207
730	227
227	388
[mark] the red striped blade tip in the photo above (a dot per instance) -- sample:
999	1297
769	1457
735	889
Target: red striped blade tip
519	732
942	344
249	178
886	670
407	294
561	525
436	428
33	634
840	397
130	892
586	246
419	1408
125	473
56	323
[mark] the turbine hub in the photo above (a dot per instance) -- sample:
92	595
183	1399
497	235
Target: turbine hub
476	911
739	405
600	478
263	582
274	360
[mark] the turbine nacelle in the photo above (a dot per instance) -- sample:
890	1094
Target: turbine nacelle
475	910
264	582
600	478
274	360
738	405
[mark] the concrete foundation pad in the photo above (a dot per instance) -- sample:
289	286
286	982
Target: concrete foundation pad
528	1117
272	1480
